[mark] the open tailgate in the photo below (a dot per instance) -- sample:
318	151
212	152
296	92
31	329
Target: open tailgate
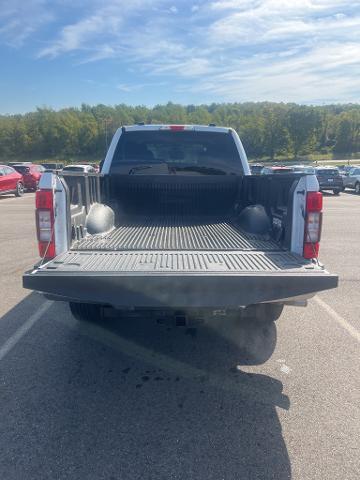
179	278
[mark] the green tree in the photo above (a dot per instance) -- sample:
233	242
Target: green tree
348	132
303	127
276	135
266	129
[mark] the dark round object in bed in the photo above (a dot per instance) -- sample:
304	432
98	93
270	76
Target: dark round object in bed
254	219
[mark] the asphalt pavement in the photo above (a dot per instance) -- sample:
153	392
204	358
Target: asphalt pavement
133	399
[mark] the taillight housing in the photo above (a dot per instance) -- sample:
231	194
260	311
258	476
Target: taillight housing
314	202
45	223
313	223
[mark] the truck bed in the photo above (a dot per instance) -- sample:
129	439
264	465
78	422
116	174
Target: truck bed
178	262
177	233
171	257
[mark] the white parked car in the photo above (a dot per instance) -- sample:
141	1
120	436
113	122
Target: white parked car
79	168
304	169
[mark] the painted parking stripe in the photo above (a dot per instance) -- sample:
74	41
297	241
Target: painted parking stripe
339	319
25	327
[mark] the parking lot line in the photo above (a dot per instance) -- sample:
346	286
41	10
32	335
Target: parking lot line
339	319
20	332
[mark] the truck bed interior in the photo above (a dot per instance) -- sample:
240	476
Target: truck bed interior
187	213
177	233
185	224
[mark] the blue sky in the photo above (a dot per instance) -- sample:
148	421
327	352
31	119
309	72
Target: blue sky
65	52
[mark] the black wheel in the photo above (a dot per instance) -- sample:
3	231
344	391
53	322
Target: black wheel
259	331
19	190
336	191
86	311
36	186
265	313
274	310
253	334
357	188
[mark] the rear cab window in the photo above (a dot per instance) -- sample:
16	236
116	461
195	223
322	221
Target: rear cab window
177	152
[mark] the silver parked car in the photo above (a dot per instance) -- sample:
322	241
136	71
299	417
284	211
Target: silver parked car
84	168
352	179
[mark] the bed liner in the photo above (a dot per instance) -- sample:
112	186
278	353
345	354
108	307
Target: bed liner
178	262
177	233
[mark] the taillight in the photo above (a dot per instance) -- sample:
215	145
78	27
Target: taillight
314	202
45	223
313	221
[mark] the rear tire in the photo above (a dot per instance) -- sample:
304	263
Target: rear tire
86	312
336	191
357	188
19	190
265	313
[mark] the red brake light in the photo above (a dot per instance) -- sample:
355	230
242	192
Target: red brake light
45	223
47	250
177	128
314	202
311	250
44	199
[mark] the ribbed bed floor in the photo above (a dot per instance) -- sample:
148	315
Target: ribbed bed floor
177	233
178	262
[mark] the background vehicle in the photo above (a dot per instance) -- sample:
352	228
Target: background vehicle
176	222
11	164
352	179
53	166
329	179
31	174
10	181
80	168
303	169
256	168
345	169
275	170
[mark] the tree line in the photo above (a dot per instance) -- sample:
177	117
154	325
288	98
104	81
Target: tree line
268	130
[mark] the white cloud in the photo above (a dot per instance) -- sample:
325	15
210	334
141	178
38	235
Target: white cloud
19	20
105	25
298	50
328	72
77	35
133	87
272	20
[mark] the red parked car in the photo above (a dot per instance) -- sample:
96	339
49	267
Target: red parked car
31	174
11	181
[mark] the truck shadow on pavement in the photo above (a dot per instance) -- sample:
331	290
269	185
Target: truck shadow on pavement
130	399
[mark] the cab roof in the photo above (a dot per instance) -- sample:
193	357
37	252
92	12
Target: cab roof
176	128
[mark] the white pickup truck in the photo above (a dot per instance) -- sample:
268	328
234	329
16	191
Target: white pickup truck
175	221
